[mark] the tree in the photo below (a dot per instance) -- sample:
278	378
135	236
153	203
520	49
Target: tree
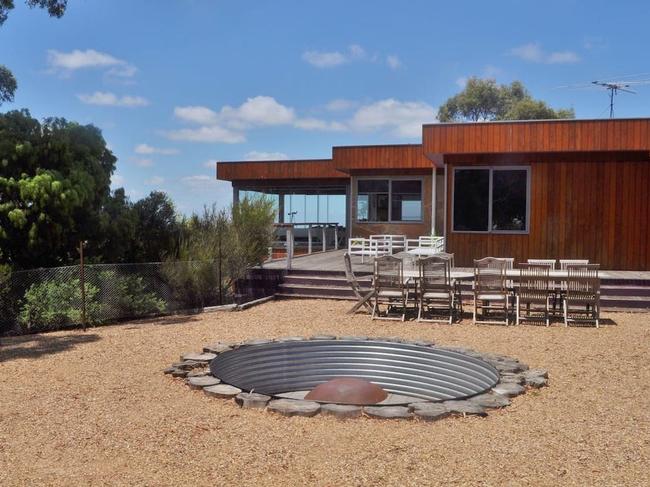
54	181
118	231
158	228
484	100
7	85
56	8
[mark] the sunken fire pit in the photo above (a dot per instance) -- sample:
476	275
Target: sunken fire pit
351	376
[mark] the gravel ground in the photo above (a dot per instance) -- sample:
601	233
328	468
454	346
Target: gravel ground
94	408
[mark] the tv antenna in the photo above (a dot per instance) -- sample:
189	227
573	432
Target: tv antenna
613	89
614	85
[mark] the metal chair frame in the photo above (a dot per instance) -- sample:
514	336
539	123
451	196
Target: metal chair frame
390	287
582	289
490	287
435	291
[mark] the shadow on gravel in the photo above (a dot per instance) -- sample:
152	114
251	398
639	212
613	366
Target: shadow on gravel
33	346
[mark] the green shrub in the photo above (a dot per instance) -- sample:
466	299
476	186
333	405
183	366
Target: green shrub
127	296
55	304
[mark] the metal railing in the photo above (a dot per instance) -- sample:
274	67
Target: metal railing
325	232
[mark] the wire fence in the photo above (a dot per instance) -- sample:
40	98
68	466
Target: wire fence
52	298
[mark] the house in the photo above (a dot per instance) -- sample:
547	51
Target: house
525	189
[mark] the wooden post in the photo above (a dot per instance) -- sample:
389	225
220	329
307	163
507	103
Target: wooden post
82	281
289	246
309	239
219	269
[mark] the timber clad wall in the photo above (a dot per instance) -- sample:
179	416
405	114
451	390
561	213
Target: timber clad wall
537	136
393	157
314	168
583	206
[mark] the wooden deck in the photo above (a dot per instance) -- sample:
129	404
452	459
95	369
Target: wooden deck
332	261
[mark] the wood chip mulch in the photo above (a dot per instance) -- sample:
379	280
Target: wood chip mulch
94	408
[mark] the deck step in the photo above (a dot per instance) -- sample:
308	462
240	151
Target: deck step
616	294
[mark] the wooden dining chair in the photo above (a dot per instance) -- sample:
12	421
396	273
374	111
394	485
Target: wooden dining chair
581	302
390	288
363	296
435	291
456	284
490	291
533	290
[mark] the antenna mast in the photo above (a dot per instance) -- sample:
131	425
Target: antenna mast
613	89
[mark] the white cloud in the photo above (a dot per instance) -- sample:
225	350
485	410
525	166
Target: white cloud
143	161
562	57
401	118
340	104
104	98
330	59
148	149
461	81
154	181
117	180
259	110
317	124
207	134
324	59
533	52
199	182
211	164
196	114
393	61
228	125
78	59
265	156
356	51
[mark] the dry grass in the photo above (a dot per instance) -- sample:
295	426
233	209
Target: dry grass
94	408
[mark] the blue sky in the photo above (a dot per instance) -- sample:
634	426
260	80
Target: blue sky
176	85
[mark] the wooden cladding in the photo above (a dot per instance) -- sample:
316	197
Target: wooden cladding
590	209
537	136
360	158
263	170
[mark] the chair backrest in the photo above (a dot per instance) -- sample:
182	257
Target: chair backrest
362	246
388	243
550	263
429	241
449	257
583	280
489	275
434	274
564	263
389	273
534	280
349	274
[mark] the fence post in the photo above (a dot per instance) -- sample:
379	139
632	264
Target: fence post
219	274
83	285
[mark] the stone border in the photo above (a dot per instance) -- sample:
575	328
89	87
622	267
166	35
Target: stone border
515	378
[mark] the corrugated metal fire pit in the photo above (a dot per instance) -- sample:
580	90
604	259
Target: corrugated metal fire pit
348	377
406	369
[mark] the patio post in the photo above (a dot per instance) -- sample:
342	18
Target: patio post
309	239
324	236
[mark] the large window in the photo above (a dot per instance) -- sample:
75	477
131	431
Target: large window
389	200
491	199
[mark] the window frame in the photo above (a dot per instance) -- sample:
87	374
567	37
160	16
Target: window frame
491	169
390	180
